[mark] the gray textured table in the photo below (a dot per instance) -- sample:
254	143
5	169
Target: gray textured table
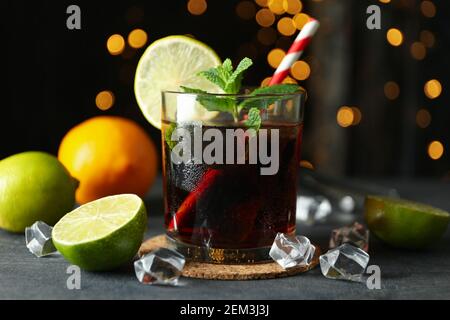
405	274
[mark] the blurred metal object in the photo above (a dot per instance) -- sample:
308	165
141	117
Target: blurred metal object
323	195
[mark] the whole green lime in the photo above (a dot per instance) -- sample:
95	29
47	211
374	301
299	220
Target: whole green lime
34	186
403	223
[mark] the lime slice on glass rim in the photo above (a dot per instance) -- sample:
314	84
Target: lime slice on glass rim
403	223
168	64
102	234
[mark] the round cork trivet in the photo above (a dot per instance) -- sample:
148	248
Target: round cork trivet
212	271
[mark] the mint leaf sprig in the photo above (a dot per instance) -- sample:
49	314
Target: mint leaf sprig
225	78
230	81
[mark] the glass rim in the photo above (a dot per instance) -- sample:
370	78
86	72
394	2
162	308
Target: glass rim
301	91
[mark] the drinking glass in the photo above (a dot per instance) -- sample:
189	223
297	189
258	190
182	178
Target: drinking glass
229	186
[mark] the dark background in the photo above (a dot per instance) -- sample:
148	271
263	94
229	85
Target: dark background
51	75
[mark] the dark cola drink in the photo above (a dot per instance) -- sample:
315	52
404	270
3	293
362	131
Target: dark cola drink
230	212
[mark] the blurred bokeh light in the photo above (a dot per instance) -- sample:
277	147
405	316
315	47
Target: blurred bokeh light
104	100
433	89
137	38
394	37
115	44
435	150
197	7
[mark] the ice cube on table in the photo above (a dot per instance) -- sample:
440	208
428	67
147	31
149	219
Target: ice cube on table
355	234
345	262
291	251
162	266
311	210
38	239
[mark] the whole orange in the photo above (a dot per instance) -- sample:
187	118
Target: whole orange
109	155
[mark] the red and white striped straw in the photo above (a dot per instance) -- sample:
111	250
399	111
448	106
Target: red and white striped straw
295	51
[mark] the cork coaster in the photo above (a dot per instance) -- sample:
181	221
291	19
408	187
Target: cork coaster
212	271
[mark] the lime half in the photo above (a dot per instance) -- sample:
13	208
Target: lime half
403	223
103	234
167	64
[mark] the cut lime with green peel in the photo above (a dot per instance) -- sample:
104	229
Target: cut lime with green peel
34	186
166	65
405	224
103	234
